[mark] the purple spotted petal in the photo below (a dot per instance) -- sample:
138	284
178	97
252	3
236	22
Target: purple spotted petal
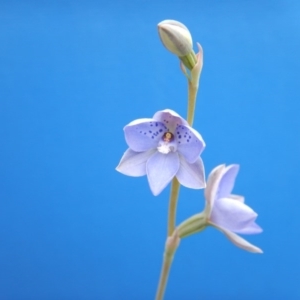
239	241
143	134
191	175
170	118
189	142
161	168
134	163
227	181
232	215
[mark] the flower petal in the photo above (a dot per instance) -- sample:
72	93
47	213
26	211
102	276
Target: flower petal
237	197
191	175
134	163
227	181
143	134
238	241
212	187
161	168
232	215
189	141
252	228
170	118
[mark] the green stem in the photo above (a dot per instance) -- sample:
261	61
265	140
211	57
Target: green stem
173	206
192	94
168	256
164	275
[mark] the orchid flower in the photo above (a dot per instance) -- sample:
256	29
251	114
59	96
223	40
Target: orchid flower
223	210
161	148
228	212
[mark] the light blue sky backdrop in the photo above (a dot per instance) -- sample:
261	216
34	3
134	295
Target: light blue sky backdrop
72	74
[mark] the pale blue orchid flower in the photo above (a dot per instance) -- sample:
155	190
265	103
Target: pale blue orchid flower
227	212
161	148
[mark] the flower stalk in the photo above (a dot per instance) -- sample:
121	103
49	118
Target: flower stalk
168	258
173	206
192	225
172	244
193	83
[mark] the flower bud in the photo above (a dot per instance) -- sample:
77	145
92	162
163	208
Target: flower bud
175	37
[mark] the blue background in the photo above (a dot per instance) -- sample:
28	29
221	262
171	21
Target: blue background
72	74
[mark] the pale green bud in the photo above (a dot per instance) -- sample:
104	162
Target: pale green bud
175	37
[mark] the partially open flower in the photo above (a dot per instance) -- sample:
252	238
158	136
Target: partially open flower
161	148
176	37
224	211
228	212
